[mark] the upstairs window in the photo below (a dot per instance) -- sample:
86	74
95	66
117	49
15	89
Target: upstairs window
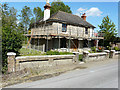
64	27
86	30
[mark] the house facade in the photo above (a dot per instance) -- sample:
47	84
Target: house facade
61	30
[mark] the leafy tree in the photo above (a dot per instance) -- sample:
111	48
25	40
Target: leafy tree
26	15
58	5
38	13
11	36
108	28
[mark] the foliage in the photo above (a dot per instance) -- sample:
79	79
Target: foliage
93	49
59	5
116	49
28	52
109	29
80	57
108	48
90	51
11	35
57	53
100	49
26	15
38	13
52	53
65	53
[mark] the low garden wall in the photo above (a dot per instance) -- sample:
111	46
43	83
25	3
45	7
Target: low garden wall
99	56
25	62
46	61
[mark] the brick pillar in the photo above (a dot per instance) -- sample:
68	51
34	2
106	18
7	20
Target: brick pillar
76	58
108	54
11	61
85	56
112	53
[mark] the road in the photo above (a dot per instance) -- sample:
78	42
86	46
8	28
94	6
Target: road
100	76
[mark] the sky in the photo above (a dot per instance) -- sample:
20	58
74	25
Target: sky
95	11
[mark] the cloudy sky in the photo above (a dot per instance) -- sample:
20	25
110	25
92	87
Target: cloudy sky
95	11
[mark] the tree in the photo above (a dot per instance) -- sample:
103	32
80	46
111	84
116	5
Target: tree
109	29
38	13
26	15
11	36
58	5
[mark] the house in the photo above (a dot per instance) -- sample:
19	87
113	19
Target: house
61	30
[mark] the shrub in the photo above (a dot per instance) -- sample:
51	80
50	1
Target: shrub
81	57
93	49
28	52
100	49
116	49
108	47
57	53
52	53
65	53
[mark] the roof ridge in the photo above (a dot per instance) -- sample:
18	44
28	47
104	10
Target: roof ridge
69	13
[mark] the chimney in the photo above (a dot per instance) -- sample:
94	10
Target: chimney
83	16
47	10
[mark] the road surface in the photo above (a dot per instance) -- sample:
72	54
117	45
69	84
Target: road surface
100	76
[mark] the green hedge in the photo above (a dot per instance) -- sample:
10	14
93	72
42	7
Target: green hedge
57	53
81	57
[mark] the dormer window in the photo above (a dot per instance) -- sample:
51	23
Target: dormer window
86	30
64	27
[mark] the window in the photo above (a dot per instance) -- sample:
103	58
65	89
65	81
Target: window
64	27
86	30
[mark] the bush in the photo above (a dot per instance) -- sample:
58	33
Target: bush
108	47
28	52
52	53
93	49
80	57
116	49
100	49
65	53
57	53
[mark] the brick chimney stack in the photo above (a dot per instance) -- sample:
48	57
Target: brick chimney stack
84	16
47	10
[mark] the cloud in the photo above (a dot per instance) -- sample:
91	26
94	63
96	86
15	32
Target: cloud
81	9
94	11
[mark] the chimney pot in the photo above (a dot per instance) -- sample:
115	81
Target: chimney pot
84	16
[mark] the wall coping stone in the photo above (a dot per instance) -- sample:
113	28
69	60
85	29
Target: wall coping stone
11	53
85	52
112	50
107	51
94	54
21	57
117	52
75	52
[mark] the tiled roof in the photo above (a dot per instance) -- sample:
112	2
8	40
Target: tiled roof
68	18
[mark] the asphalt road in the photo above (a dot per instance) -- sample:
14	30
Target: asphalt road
100	76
